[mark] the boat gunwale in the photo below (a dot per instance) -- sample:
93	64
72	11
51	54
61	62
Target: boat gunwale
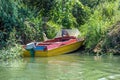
61	46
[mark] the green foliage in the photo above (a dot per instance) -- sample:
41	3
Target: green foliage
52	29
8	19
91	3
13	49
11	52
81	14
96	28
62	13
13	15
41	5
111	43
108	9
33	25
23	20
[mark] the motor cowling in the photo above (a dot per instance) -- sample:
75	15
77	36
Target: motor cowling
30	45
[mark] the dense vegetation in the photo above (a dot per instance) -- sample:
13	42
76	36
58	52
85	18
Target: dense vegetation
25	20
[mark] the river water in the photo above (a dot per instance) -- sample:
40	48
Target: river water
63	67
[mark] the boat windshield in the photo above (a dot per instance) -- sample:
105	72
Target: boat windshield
71	32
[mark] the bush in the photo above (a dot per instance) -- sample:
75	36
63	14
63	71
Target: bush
99	22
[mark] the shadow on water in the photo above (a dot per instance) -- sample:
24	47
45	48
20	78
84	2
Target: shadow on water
63	67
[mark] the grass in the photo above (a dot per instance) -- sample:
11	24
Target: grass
99	22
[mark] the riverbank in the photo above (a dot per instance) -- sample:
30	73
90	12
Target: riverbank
25	21
110	43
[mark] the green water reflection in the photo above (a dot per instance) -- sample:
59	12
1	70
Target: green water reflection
63	67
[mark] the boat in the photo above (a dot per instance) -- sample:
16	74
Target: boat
58	45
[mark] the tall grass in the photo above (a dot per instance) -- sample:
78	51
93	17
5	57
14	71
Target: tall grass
94	30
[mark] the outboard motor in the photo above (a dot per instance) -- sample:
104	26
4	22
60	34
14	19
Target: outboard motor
30	47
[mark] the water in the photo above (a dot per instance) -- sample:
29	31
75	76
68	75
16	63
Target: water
63	67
